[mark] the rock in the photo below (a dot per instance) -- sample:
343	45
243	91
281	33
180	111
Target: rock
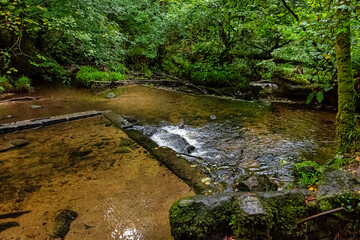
213	117
174	141
250	205
337	183
9	116
245	216
255	183
62	223
201	217
110	95
35	106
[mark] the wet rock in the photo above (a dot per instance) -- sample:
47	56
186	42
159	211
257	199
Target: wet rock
35	106
213	117
337	183
176	142
254	183
62	223
110	95
9	116
245	216
201	217
250	205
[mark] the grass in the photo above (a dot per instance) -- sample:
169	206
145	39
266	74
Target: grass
87	75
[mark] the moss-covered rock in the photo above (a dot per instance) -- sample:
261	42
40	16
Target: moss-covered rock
246	216
250	220
201	217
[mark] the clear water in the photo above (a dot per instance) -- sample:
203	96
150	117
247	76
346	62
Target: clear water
232	137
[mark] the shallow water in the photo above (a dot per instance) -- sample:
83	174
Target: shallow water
232	137
92	168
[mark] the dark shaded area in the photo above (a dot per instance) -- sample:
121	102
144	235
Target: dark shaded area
62	223
14	214
7	225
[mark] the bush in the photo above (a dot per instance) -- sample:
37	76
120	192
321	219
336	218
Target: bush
87	75
23	84
5	85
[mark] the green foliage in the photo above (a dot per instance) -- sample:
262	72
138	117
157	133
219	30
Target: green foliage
5	85
87	74
23	84
339	161
307	173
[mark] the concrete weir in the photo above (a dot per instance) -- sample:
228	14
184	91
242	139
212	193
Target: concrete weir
183	168
40	122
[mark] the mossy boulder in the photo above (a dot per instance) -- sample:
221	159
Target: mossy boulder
201	217
250	220
337	189
263	215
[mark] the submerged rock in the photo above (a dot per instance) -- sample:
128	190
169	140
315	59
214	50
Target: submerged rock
110	95
35	106
62	223
174	141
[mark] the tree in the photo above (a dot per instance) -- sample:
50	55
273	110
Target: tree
346	119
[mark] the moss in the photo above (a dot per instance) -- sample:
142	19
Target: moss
250	227
284	218
345	119
198	220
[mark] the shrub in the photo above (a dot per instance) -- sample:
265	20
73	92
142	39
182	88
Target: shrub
87	74
23	84
5	85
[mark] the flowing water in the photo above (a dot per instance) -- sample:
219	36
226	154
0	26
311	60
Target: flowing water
122	194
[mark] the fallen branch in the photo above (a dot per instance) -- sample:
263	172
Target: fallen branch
320	214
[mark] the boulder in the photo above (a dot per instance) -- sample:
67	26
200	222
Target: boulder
254	183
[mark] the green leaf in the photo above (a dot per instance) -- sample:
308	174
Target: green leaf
310	98
320	97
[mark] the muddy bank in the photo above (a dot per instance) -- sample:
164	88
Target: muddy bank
114	185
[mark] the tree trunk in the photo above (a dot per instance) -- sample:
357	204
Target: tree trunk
345	120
